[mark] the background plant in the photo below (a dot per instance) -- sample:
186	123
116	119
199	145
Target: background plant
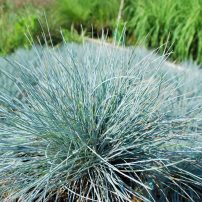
14	25
178	22
152	23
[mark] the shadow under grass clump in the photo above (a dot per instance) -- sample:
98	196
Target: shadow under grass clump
100	124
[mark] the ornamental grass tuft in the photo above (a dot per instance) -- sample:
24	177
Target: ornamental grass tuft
100	123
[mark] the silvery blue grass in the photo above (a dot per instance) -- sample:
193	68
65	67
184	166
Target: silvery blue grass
100	123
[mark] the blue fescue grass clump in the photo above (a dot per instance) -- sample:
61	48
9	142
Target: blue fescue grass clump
9	73
100	124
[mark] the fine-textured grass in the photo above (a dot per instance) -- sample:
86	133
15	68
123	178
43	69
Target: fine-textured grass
100	124
9	73
177	21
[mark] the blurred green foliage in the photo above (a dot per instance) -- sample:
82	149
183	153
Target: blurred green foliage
175	22
14	25
96	13
153	23
20	26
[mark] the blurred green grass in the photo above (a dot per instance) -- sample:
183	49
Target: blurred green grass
153	23
22	21
178	22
